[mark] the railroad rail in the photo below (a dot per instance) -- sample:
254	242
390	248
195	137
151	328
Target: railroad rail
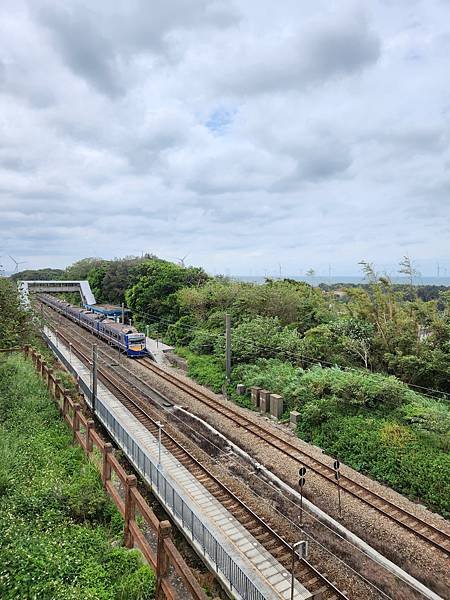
314	581
426	531
429	533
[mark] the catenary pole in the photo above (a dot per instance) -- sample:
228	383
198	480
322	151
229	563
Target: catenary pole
228	346
94	376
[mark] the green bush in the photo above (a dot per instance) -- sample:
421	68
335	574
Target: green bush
356	389
204	342
58	529
206	370
387	451
181	332
428	417
261	337
271	374
137	585
85	500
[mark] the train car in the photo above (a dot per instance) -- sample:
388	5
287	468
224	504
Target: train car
126	338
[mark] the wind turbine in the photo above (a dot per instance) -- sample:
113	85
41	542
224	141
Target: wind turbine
17	263
181	260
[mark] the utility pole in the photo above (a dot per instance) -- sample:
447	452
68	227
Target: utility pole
303	553
160	426
228	346
94	376
123	313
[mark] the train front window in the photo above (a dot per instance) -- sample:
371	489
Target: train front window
136	341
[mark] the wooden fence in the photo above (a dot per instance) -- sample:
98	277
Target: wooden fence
122	487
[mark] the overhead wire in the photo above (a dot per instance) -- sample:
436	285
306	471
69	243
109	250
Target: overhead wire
265	483
156	319
302	357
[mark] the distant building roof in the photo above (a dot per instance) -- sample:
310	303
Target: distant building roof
107	309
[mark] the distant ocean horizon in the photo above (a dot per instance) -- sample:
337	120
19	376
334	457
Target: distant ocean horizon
330	280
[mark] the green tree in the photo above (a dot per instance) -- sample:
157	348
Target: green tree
355	337
96	278
80	270
153	297
407	268
38	274
15	321
262	337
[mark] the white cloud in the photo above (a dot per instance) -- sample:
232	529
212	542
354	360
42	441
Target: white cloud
244	135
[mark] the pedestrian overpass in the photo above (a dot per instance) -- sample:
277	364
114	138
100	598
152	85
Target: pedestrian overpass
83	287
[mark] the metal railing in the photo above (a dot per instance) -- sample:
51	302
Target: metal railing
205	541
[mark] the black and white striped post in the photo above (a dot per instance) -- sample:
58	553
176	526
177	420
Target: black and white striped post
337	476
301	483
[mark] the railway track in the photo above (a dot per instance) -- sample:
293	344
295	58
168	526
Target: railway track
305	572
417	526
429	533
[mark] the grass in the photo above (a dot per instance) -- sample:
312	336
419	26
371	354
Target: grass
60	535
205	369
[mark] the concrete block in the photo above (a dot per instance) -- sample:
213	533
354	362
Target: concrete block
255	395
240	389
264	401
276	405
294	417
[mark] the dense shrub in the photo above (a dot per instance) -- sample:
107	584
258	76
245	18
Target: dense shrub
271	374
58	529
386	450
207	370
349	389
428	417
261	337
204	341
181	332
357	389
15	321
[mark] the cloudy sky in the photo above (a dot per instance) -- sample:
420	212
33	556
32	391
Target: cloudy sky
253	136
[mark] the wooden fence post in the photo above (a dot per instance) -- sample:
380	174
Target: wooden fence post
56	384
49	380
89	427
65	406
75	421
106	470
130	510
162	559
81	399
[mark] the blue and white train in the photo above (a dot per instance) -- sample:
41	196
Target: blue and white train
126	338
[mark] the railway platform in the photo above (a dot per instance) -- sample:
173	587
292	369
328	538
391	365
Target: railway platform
246	569
158	349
